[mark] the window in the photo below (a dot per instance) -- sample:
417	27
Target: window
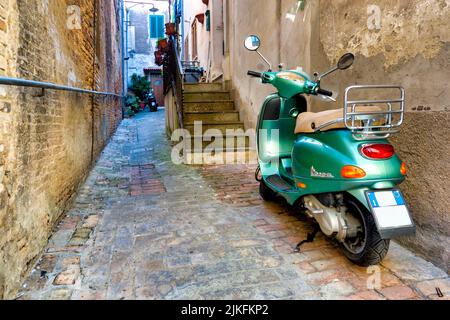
194	40
186	49
156	26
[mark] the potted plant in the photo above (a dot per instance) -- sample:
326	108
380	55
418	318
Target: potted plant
159	61
159	58
163	44
140	86
132	105
170	29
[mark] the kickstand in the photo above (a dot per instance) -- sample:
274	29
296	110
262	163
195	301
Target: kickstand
309	239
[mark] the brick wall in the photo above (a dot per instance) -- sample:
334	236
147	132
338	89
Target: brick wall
49	139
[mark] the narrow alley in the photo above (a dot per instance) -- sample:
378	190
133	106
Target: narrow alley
144	228
224	150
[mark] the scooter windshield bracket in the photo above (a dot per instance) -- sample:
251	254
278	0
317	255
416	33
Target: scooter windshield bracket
374	119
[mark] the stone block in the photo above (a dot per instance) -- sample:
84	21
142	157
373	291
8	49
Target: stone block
398	293
67	277
91	222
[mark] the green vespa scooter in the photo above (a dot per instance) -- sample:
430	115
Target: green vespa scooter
337	166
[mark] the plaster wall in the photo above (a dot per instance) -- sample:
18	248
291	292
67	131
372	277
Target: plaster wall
402	42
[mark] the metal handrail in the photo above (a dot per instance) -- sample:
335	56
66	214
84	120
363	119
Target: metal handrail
52	86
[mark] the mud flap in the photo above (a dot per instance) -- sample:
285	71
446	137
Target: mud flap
387	227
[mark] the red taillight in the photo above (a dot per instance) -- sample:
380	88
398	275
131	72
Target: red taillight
378	151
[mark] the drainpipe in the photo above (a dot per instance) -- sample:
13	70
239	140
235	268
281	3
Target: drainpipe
124	84
182	30
127	23
127	31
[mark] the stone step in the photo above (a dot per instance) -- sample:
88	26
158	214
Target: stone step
206	96
244	156
199	143
221	116
210	106
202	87
223	126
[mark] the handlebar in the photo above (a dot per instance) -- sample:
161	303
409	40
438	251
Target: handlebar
324	92
254	74
318	90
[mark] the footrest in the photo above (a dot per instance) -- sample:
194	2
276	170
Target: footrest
278	182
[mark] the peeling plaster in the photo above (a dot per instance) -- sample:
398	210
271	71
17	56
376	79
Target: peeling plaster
408	28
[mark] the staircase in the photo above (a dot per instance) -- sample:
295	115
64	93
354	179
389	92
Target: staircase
213	106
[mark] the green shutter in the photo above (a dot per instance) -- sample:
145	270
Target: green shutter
208	20
161	26
157	28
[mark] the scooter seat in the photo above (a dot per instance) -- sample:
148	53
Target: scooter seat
308	122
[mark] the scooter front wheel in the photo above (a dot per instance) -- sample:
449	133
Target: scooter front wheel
266	193
367	248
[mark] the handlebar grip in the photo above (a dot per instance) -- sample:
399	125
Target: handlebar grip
254	74
324	92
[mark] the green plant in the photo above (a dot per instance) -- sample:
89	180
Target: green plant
140	85
132	105
162	44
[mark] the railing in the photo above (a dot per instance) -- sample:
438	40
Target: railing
174	77
190	64
48	85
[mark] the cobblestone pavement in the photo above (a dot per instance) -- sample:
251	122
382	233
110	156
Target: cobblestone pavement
144	228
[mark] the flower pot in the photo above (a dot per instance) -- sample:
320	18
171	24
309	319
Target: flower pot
159	58
201	18
163	44
170	29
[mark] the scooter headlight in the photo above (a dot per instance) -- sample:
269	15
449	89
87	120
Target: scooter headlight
291	76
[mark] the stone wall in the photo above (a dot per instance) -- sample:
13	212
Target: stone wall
396	42
140	47
139	19
49	139
191	9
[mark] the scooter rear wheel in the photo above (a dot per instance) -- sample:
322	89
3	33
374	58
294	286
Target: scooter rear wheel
266	193
367	248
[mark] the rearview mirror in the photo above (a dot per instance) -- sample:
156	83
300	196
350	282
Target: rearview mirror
252	43
346	61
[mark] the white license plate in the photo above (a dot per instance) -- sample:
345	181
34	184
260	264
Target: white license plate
389	209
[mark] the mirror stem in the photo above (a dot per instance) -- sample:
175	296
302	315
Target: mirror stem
265	60
328	72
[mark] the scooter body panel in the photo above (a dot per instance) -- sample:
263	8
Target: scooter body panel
319	158
315	161
276	137
288	88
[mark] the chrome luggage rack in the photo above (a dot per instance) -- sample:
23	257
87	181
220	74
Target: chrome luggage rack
372	125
